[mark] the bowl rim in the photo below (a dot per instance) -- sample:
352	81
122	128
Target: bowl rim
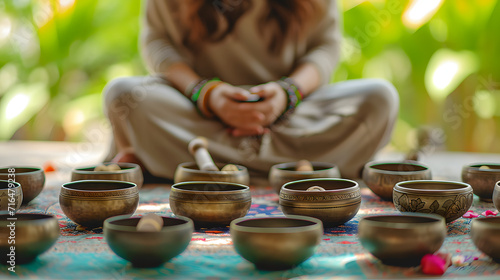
484	221
351	188
370	166
44	218
131	185
107	225
316	224
130	167
174	187
35	170
279	167
471	167
384	224
241	168
18	185
464	189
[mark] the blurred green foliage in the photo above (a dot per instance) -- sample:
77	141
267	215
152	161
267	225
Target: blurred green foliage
57	56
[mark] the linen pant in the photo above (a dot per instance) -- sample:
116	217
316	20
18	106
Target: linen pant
344	123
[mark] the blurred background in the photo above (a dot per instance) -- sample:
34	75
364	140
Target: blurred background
442	55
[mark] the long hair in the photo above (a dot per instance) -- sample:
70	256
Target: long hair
213	20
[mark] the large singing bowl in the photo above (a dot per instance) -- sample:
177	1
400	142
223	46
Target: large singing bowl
34	234
283	173
189	171
337	204
402	240
148	248
90	202
485	233
129	172
482	177
32	180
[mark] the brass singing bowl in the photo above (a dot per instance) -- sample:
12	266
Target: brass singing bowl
402	240
276	243
34	234
90	202
485	233
283	173
189	171
496	196
11	195
381	177
337	204
446	198
147	249
130	172
32	180
481	180
210	203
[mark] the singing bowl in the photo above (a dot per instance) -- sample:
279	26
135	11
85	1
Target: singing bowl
482	181
276	243
147	249
32	180
496	196
210	203
402	240
189	171
130	172
34	234
336	205
90	202
485	233
446	198
283	173
11	195
381	177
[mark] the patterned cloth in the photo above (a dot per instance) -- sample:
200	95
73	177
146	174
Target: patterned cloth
83	253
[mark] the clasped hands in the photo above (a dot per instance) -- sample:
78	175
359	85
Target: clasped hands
231	105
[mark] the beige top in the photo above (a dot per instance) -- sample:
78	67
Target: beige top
241	58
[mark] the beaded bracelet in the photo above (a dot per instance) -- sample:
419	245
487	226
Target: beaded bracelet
203	99
195	87
294	96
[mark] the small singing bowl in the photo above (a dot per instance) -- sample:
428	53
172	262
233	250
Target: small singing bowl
210	203
90	202
402	240
32	180
496	196
146	248
283	173
33	234
130	172
276	243
381	177
485	233
11	195
189	171
482	177
337	204
446	198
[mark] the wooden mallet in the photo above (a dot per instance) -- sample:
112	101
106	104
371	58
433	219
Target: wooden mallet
198	148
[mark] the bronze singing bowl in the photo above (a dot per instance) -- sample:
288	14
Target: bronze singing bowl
210	203
496	196
11	195
188	172
130	172
381	177
482	181
147	249
446	198
32	180
336	205
283	173
485	233
34	234
276	243
402	240
90	202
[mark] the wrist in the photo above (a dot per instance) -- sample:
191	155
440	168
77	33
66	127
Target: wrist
203	101
293	94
